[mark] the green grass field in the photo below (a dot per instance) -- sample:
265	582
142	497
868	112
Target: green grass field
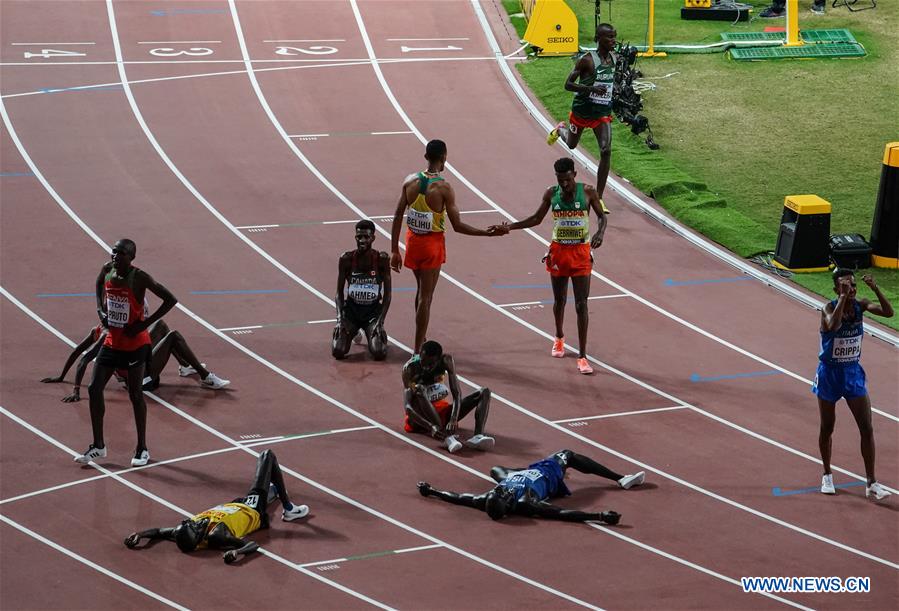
736	137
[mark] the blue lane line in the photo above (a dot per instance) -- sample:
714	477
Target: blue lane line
695	377
240	292
670	282
779	492
187	11
65	294
522	286
13	174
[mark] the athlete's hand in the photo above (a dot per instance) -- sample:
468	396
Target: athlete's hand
396	261
599	89
451	427
596	241
437	433
132	540
424	488
54	380
72	398
231	556
104	318
497	230
844	287
869	280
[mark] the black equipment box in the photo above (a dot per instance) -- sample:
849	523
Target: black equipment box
850	251
733	11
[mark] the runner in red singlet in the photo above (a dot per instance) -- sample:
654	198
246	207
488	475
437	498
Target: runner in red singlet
120	304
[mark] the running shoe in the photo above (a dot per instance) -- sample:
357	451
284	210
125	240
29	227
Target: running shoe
91	454
876	492
360	335
214	382
558	350
827	484
140	458
584	367
603	204
295	513
481	442
772	13
629	481
187	370
553	136
453	444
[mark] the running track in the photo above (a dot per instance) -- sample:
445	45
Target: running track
195	153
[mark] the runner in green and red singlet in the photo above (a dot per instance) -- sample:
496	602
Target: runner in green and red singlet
593	81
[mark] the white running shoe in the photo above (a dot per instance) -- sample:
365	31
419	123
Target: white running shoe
214	382
295	513
141	459
453	444
481	442
91	454
629	481
360	335
187	370
876	492
827	484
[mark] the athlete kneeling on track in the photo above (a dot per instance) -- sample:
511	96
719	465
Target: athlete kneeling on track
524	491
225	525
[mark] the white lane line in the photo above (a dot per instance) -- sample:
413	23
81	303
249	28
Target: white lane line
632	413
325	320
384	217
179	42
375	555
309	136
388	133
89	563
185	513
674	226
544	302
323	60
310	40
241	328
252	443
38	44
422	39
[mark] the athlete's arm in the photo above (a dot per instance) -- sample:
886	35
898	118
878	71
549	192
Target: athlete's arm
601	220
582	69
100	289
538	216
453	421
76	352
134	539
467	500
548	511
231	556
832	317
143	279
455	219
89	356
396	259
386	286
883	308
221	537
343	265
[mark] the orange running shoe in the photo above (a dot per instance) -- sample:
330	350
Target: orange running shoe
558	347
584	367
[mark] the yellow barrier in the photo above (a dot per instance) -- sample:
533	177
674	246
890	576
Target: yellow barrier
552	26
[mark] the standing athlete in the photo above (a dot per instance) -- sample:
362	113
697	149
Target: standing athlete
425	400
593	81
569	253
426	200
225	525
363	295
120	304
840	374
524	491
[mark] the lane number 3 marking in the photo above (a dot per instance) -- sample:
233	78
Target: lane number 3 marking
170	52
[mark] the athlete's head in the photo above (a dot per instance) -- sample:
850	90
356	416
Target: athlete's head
123	253
189	534
843	276
605	36
435	153
365	234
499	502
431	352
565	174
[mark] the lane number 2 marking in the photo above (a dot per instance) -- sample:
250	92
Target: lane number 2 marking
316	50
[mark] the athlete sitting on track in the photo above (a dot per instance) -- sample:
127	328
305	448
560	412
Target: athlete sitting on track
524	491
224	526
165	343
840	373
363	295
424	399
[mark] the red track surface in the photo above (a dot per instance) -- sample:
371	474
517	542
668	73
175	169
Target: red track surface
707	515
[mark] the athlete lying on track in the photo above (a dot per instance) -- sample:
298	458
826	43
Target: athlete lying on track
523	491
225	525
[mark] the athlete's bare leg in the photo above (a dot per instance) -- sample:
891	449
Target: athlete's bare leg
604	139
479	401
424	409
159	330
861	411
560	298
341	341
99	379
827	410
581	287
377	341
570	135
136	394
426	279
174	344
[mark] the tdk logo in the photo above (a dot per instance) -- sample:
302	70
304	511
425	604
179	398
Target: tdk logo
552	39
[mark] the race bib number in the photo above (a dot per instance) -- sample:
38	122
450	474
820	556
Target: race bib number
418	221
436	392
605	96
117	310
364	293
847	349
